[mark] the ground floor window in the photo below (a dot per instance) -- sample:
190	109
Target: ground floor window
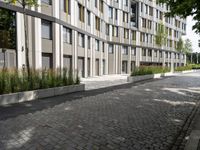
67	62
8	59
47	61
81	67
124	67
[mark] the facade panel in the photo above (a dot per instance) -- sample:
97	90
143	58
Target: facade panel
119	34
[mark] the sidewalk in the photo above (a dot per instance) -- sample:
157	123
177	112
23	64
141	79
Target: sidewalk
193	142
98	82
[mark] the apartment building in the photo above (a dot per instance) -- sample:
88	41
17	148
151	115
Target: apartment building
95	37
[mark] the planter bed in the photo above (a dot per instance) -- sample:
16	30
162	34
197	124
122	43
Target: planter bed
39	94
147	77
143	77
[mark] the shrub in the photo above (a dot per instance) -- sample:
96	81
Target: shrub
183	68
195	66
12	81
146	70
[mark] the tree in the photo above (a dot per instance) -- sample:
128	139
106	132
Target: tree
187	46
24	4
161	36
180	45
184	8
7	29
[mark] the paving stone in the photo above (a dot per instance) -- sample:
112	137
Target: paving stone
145	116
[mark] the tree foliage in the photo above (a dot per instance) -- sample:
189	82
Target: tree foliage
25	4
184	8
7	29
161	35
188	46
180	45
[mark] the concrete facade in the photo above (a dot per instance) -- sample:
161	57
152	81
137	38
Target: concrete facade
98	37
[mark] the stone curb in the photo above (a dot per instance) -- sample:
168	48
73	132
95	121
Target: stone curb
39	94
147	77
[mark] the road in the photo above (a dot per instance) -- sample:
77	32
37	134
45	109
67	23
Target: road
145	116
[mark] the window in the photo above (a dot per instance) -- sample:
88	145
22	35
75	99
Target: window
81	10
66	6
110	49
88	18
125	17
155	53
97	45
48	2
107	29
143	52
115	31
126	2
47	62
125	50
149	52
126	33
97	23
116	14
67	62
166	54
67	35
101	5
46	30
110	12
95	3
160	53
89	42
81	40
133	51
134	35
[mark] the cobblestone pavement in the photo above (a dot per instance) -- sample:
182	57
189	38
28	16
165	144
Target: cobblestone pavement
145	116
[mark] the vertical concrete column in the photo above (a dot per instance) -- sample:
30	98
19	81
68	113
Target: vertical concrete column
116	51
138	57
106	58
86	57
172	62
56	46
56	8
147	56
120	60
61	47
164	57
20	40
56	35
129	60
37	38
93	57
74	52
101	59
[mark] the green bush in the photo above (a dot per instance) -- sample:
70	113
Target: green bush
195	66
12	81
146	70
183	68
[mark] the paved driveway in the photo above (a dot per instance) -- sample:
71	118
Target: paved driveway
136	117
104	81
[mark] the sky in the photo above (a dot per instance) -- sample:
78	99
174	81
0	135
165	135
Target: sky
190	34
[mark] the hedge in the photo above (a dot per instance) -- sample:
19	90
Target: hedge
12	81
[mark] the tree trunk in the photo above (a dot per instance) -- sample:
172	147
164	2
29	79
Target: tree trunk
26	42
